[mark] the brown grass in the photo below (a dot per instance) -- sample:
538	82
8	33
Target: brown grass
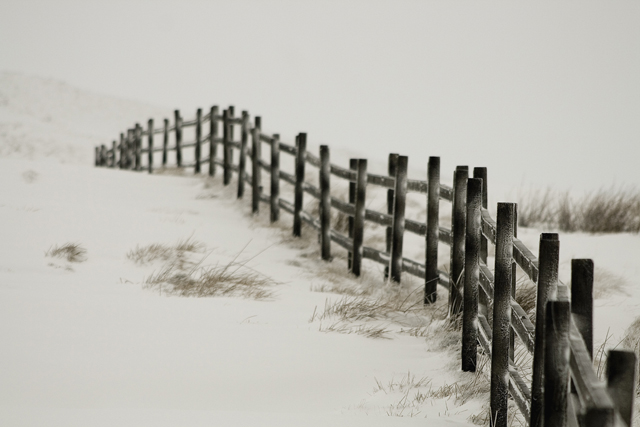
70	252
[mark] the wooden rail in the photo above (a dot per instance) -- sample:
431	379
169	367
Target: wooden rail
561	341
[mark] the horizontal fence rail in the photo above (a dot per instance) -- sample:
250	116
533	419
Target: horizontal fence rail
564	389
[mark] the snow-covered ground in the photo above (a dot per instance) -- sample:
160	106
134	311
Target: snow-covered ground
86	344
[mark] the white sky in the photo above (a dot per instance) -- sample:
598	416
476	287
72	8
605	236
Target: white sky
554	83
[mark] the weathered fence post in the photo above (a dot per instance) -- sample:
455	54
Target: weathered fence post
301	149
130	146
483	301
458	233
433	231
138	145
582	299
622	379
353	165
514	281
178	129
226	148
165	143
256	173
392	165
556	363
325	203
150	145
397	225
123	151
198	140
244	138
501	316
103	155
358	219
471	276
97	156
213	139
113	154
547	290
275	178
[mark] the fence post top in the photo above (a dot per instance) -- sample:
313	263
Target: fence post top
549	236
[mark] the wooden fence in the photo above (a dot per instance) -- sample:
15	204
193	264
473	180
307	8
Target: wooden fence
565	389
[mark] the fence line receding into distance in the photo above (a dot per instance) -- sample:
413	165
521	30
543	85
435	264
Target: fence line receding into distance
565	389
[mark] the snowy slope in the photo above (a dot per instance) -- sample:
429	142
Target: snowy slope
87	345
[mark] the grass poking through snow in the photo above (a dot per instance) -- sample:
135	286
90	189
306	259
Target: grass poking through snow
70	252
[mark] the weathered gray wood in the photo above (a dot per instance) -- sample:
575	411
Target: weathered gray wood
113	155
353	165
325	203
130	152
471	276
556	363
165	143
301	148
398	211
198	153
582	299
514	280
138	145
458	229
358	219
150	145
481	173
242	162
178	133
226	147
123	151
501	316
256	174
433	229
275	177
547	290
622	379
213	139
392	166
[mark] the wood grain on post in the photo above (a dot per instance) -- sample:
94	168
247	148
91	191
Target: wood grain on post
397	224
556	363
275	178
471	276
483	300
242	162
178	124
256	173
547	290
582	299
213	139
458	231
226	148
301	149
622	379
198	140
353	165
433	231
165	143
501	316
150	145
392	165
514	281
325	203
358	219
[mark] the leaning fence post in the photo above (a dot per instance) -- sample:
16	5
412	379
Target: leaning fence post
325	203
178	129
213	139
547	290
275	178
256	174
556	363
165	142
622	379
150	145
392	165
242	162
501	316
433	231
358	219
301	148
483	301
397	225
198	140
458	226
353	165
226	148
471	276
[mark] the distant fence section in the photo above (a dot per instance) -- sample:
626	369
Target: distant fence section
564	390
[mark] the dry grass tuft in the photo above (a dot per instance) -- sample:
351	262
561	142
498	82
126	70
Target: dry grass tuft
176	253
71	252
